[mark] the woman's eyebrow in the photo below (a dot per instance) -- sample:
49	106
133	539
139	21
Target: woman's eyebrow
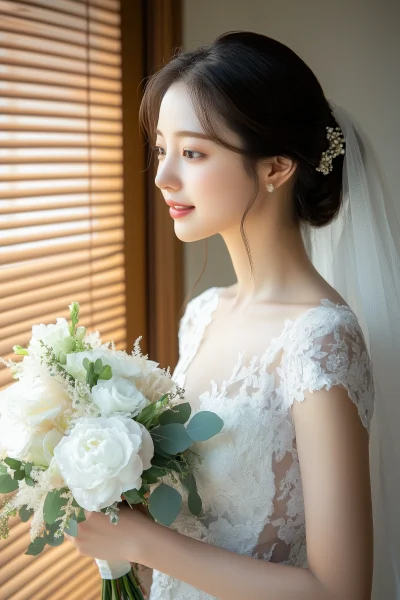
185	133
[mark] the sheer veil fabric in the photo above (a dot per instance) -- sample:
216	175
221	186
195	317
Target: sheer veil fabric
359	255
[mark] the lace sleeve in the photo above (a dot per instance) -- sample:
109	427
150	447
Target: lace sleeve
329	349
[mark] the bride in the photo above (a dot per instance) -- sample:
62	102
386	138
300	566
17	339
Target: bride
249	147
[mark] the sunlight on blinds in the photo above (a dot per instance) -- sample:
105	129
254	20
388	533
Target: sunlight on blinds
61	214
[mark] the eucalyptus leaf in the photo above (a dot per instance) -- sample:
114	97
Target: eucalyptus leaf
204	425
164	504
166	463
72	528
36	547
25	513
13	463
7	484
19	475
194	500
171	438
53	504
178	414
133	496
153	474
29	481
54	541
28	468
106	372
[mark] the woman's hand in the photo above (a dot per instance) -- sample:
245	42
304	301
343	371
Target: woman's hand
99	538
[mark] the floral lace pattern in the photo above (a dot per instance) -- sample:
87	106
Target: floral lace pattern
249	479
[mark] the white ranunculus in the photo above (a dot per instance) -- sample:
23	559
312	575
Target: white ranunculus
118	395
53	335
122	365
102	458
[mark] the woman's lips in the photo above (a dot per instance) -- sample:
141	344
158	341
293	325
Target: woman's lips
177	213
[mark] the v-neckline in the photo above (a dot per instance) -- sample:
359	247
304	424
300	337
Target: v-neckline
274	343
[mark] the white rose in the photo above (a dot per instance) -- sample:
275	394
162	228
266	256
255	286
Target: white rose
102	458
53	335
122	364
42	446
118	395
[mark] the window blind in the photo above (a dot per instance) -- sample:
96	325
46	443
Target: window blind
61	214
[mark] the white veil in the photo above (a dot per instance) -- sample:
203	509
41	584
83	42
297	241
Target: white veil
359	255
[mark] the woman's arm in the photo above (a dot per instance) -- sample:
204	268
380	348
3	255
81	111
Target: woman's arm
334	461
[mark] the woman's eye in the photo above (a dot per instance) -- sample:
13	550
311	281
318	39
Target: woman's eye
156	150
191	152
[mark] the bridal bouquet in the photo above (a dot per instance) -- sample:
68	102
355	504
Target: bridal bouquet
87	427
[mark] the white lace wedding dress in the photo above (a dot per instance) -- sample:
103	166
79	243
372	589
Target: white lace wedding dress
249	479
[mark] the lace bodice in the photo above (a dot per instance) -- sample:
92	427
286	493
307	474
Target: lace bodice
249	479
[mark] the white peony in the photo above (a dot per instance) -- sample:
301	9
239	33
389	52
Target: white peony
102	458
118	395
32	401
53	335
122	364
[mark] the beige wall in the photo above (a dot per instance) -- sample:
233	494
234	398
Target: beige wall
353	47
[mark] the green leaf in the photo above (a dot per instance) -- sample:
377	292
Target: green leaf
25	513
204	425
166	463
28	468
171	438
29	481
194	500
98	365
53	541
72	528
86	363
36	547
7	484
106	372
3	469
81	515
133	496
20	351
179	414
164	504
19	475
153	474
13	463
53	505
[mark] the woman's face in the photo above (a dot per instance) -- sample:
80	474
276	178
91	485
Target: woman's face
197	172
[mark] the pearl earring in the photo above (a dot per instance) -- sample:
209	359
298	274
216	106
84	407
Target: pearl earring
270	187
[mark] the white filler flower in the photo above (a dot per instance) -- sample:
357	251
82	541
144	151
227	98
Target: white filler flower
102	458
118	395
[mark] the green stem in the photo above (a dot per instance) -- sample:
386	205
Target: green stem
114	588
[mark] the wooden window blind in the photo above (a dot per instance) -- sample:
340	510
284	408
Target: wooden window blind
61	214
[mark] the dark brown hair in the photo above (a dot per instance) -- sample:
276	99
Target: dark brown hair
265	93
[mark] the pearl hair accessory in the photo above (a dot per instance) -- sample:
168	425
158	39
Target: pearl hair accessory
336	141
270	187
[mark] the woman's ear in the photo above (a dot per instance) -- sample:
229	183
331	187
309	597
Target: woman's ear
276	170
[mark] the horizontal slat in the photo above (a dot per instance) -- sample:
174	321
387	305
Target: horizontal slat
50	123
21	74
54	155
80	586
74	243
44	139
46	39
69	228
13	317
49	267
61	186
69	21
57	575
68	64
13	89
23	107
35	203
22	172
58	217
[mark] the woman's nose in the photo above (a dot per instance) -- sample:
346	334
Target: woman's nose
167	177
